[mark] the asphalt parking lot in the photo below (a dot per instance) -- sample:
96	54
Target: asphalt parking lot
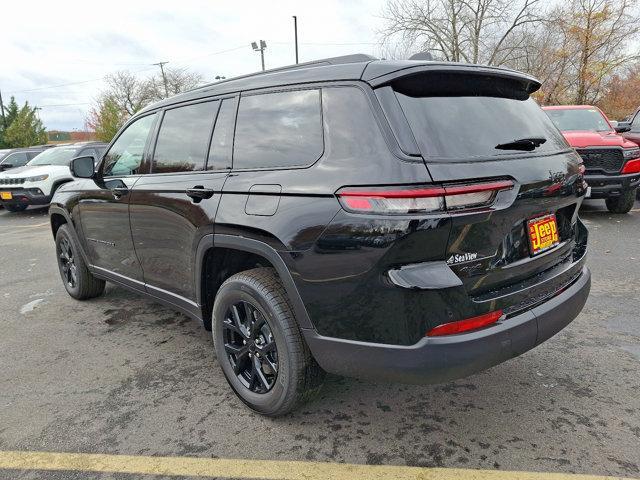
123	375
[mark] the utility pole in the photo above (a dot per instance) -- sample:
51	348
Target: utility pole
260	49
164	78
295	34
4	119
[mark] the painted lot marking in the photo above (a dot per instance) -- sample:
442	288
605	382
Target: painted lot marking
255	469
14	228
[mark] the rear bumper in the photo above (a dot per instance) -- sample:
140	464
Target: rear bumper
603	186
26	196
436	360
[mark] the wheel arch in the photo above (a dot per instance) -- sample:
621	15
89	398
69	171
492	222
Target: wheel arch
58	217
243	253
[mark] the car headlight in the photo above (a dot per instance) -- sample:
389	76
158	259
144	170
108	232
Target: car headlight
631	153
37	178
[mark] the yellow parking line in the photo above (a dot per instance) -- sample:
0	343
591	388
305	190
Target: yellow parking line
255	469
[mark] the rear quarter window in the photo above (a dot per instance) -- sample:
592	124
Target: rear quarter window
281	129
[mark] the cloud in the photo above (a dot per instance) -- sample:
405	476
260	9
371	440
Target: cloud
75	44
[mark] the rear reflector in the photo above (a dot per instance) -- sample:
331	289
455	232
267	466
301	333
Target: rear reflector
632	166
390	200
465	325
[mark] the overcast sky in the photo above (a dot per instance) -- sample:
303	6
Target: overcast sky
54	54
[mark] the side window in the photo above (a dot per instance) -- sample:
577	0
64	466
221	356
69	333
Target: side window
17	159
31	155
125	155
222	140
278	130
635	124
183	138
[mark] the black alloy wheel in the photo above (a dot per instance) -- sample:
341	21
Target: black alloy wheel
250	347
67	261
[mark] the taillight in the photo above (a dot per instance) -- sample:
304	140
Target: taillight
425	199
632	166
465	325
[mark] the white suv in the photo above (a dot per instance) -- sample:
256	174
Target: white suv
36	182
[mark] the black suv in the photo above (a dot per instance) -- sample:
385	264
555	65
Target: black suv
395	220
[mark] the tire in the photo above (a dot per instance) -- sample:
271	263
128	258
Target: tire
298	377
623	203
76	278
15	208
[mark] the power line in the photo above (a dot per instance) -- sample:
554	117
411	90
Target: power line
65	105
82	82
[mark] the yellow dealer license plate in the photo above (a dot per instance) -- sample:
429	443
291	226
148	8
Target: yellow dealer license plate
543	233
6	195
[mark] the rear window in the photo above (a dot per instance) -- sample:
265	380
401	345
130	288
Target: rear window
469	127
280	129
575	119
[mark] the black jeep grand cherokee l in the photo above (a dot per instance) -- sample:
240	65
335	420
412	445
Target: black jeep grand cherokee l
394	220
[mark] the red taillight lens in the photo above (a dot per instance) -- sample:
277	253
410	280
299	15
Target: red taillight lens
389	200
465	325
632	166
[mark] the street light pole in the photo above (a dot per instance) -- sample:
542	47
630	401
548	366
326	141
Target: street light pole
4	119
295	33
164	78
261	48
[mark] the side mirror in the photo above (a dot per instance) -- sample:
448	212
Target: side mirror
82	167
622	127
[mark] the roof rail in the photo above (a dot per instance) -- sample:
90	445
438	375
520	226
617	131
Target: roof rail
353	58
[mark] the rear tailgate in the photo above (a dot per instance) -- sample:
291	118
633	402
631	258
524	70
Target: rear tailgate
475	124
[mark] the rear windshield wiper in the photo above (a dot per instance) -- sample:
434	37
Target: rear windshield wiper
527	144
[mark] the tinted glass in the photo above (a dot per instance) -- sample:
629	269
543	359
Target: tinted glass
54	156
17	159
184	138
222	140
278	130
579	119
125	155
467	127
635	125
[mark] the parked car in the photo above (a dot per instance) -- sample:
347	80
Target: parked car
36	182
393	220
18	157
612	162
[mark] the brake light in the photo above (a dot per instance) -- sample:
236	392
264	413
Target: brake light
465	325
632	166
403	200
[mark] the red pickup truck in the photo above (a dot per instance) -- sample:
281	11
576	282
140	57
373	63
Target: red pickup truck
612	162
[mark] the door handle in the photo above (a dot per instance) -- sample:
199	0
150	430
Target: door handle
119	191
198	193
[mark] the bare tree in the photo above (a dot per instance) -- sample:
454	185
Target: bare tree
128	92
178	80
476	31
600	31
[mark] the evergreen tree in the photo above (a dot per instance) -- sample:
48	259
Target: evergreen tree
10	114
26	129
